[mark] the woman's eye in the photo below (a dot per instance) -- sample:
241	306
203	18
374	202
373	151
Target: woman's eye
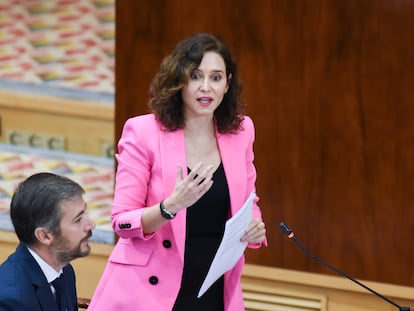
216	78
195	76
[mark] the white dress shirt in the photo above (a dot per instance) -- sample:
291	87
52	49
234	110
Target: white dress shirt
50	273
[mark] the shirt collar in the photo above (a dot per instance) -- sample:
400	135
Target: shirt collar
50	273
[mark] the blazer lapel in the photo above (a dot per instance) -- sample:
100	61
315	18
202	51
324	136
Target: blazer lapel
234	167
71	298
46	298
38	279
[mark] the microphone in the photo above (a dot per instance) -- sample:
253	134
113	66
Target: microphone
291	235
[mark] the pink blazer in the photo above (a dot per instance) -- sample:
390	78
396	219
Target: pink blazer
144	271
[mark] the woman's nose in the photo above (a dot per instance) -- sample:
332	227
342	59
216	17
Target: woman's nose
205	85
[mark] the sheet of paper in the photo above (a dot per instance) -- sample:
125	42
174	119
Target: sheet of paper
231	248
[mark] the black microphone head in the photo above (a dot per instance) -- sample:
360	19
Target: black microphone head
285	228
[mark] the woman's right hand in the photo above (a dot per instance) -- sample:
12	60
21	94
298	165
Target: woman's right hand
188	190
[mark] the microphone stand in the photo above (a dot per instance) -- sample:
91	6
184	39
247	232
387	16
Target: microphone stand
291	235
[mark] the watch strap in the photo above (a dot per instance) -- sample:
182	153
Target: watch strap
166	213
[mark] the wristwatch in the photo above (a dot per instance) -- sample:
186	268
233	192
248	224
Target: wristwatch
166	213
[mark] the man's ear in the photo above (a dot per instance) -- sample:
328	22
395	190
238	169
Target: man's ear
43	235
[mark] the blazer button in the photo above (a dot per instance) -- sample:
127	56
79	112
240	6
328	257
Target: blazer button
153	280
166	243
124	226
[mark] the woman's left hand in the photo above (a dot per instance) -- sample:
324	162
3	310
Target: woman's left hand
255	232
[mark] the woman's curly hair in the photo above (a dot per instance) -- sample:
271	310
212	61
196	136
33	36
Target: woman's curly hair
165	89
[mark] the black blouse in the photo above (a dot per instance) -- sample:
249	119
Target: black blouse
204	232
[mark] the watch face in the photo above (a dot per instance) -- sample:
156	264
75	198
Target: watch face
166	213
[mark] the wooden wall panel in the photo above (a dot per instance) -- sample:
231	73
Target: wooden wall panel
329	86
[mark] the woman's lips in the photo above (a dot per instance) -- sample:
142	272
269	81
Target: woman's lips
205	101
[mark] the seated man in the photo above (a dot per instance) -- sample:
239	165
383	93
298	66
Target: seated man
51	221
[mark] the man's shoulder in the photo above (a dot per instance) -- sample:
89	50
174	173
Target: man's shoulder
10	268
20	266
14	260
16	290
13	279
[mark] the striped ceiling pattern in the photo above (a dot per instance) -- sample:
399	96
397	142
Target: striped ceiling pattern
61	43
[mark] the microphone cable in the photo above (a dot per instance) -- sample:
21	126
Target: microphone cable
291	235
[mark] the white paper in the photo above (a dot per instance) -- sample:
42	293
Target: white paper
231	248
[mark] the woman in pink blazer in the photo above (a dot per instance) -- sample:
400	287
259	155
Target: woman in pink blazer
182	172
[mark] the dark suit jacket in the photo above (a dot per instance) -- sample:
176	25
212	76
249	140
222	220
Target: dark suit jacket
24	287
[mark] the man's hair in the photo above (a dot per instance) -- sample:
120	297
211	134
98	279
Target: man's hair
36	203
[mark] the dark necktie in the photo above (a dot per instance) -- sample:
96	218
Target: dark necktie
60	292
